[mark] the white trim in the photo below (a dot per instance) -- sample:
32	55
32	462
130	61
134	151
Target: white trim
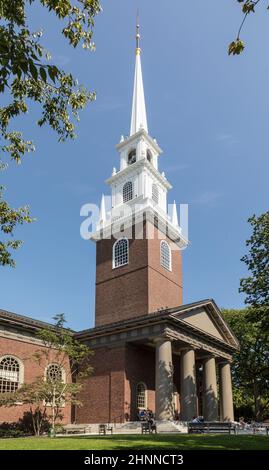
164	242
55	364
113	253
146	396
127	191
63	379
21	366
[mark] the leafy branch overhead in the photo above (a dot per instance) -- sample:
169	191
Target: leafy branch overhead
248	6
28	76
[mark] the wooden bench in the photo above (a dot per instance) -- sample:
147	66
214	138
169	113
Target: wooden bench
211	427
145	427
76	429
104	428
257	429
148	428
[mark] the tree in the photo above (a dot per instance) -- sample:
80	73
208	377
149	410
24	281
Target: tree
256	286
250	368
9	219
47	395
248	7
251	325
27	76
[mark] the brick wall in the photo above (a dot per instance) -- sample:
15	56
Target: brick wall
103	392
141	287
24	351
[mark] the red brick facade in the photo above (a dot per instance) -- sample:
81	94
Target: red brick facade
142	286
23	351
109	395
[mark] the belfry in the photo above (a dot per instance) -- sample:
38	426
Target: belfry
151	351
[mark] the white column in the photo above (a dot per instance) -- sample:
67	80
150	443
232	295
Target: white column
164	380
210	395
188	394
226	392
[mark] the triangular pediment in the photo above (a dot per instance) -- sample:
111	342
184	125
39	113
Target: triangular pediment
207	318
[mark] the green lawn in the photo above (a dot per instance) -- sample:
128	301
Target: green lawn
139	442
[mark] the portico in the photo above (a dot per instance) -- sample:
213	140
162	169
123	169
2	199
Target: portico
169	353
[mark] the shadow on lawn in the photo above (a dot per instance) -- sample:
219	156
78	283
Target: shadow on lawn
183	442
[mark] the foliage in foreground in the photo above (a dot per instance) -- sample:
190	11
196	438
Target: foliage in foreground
237	46
28	77
250	367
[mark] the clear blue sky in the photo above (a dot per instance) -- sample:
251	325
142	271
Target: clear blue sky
210	114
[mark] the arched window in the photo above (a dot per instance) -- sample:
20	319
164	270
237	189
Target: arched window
127	191
155	193
141	395
120	253
149	156
10	374
55	373
132	157
165	255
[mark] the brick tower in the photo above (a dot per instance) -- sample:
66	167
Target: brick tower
138	257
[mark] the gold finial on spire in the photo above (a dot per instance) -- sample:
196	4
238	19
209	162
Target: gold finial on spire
137	50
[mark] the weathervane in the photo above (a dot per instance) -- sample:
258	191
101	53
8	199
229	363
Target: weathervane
138	50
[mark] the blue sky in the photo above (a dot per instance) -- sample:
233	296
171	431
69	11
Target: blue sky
210	114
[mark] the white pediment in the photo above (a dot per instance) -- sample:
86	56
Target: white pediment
207	318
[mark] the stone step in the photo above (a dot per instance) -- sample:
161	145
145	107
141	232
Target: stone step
134	427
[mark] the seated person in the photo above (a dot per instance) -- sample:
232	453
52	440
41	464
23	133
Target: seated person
196	419
152	425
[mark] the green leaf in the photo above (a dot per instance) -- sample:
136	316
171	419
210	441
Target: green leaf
33	70
43	74
236	47
53	72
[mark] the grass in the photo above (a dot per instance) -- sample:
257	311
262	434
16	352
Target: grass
139	442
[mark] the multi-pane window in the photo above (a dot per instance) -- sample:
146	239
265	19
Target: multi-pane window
120	253
9	375
155	193
141	401
132	157
127	191
54	373
165	255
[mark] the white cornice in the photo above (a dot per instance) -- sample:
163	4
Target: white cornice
140	164
147	212
133	138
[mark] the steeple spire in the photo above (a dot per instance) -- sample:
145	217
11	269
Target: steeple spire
139	115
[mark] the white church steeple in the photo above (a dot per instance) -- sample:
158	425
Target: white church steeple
138	188
139	115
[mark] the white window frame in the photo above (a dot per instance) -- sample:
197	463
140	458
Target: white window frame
21	368
63	379
162	261
127	192
146	396
60	367
113	255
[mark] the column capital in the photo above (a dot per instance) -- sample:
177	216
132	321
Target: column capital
209	356
223	361
191	347
161	339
